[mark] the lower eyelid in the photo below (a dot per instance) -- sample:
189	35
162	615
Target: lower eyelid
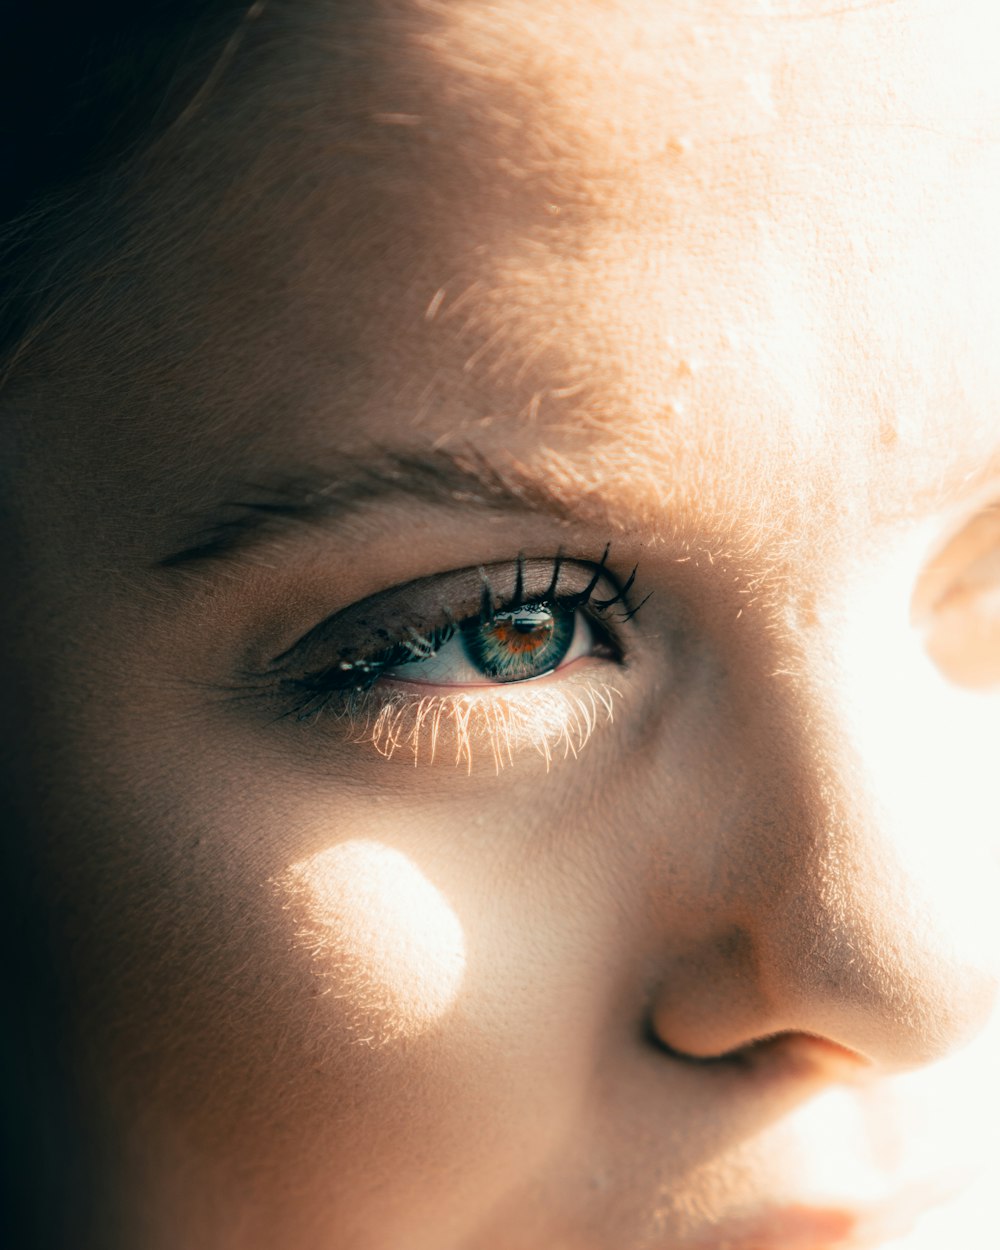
554	720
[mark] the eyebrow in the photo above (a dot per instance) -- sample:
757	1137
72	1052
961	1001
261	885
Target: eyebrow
443	478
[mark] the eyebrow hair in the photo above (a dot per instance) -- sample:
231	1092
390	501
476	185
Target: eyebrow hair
440	477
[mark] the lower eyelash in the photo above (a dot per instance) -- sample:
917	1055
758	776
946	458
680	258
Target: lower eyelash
555	722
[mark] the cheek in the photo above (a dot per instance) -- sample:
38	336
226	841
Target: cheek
382	938
434	1073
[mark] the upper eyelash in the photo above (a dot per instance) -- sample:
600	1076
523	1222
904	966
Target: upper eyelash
579	599
351	679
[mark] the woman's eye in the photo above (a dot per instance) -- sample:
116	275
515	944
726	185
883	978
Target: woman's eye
511	646
473	628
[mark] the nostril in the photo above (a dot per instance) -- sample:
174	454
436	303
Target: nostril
791	1053
809	1056
653	1038
735	1057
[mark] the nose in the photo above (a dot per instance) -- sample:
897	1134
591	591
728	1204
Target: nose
838	893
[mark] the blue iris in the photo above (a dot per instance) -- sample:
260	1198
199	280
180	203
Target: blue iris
519	644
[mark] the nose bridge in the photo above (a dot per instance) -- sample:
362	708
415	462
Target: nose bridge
815	921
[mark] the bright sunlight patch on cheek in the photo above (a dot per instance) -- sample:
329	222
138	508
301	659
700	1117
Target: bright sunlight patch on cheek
383	939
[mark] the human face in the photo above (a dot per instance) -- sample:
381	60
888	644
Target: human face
690	940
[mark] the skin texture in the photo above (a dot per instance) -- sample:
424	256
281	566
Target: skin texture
722	277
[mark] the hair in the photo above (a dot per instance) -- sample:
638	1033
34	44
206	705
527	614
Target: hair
91	86
87	90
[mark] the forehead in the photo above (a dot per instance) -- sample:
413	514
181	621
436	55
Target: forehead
679	244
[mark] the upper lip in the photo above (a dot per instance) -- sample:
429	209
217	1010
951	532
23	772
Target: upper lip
829	1226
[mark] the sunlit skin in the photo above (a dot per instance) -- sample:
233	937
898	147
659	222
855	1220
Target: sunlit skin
380	934
681	938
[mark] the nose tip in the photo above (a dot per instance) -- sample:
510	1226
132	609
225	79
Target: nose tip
858	998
